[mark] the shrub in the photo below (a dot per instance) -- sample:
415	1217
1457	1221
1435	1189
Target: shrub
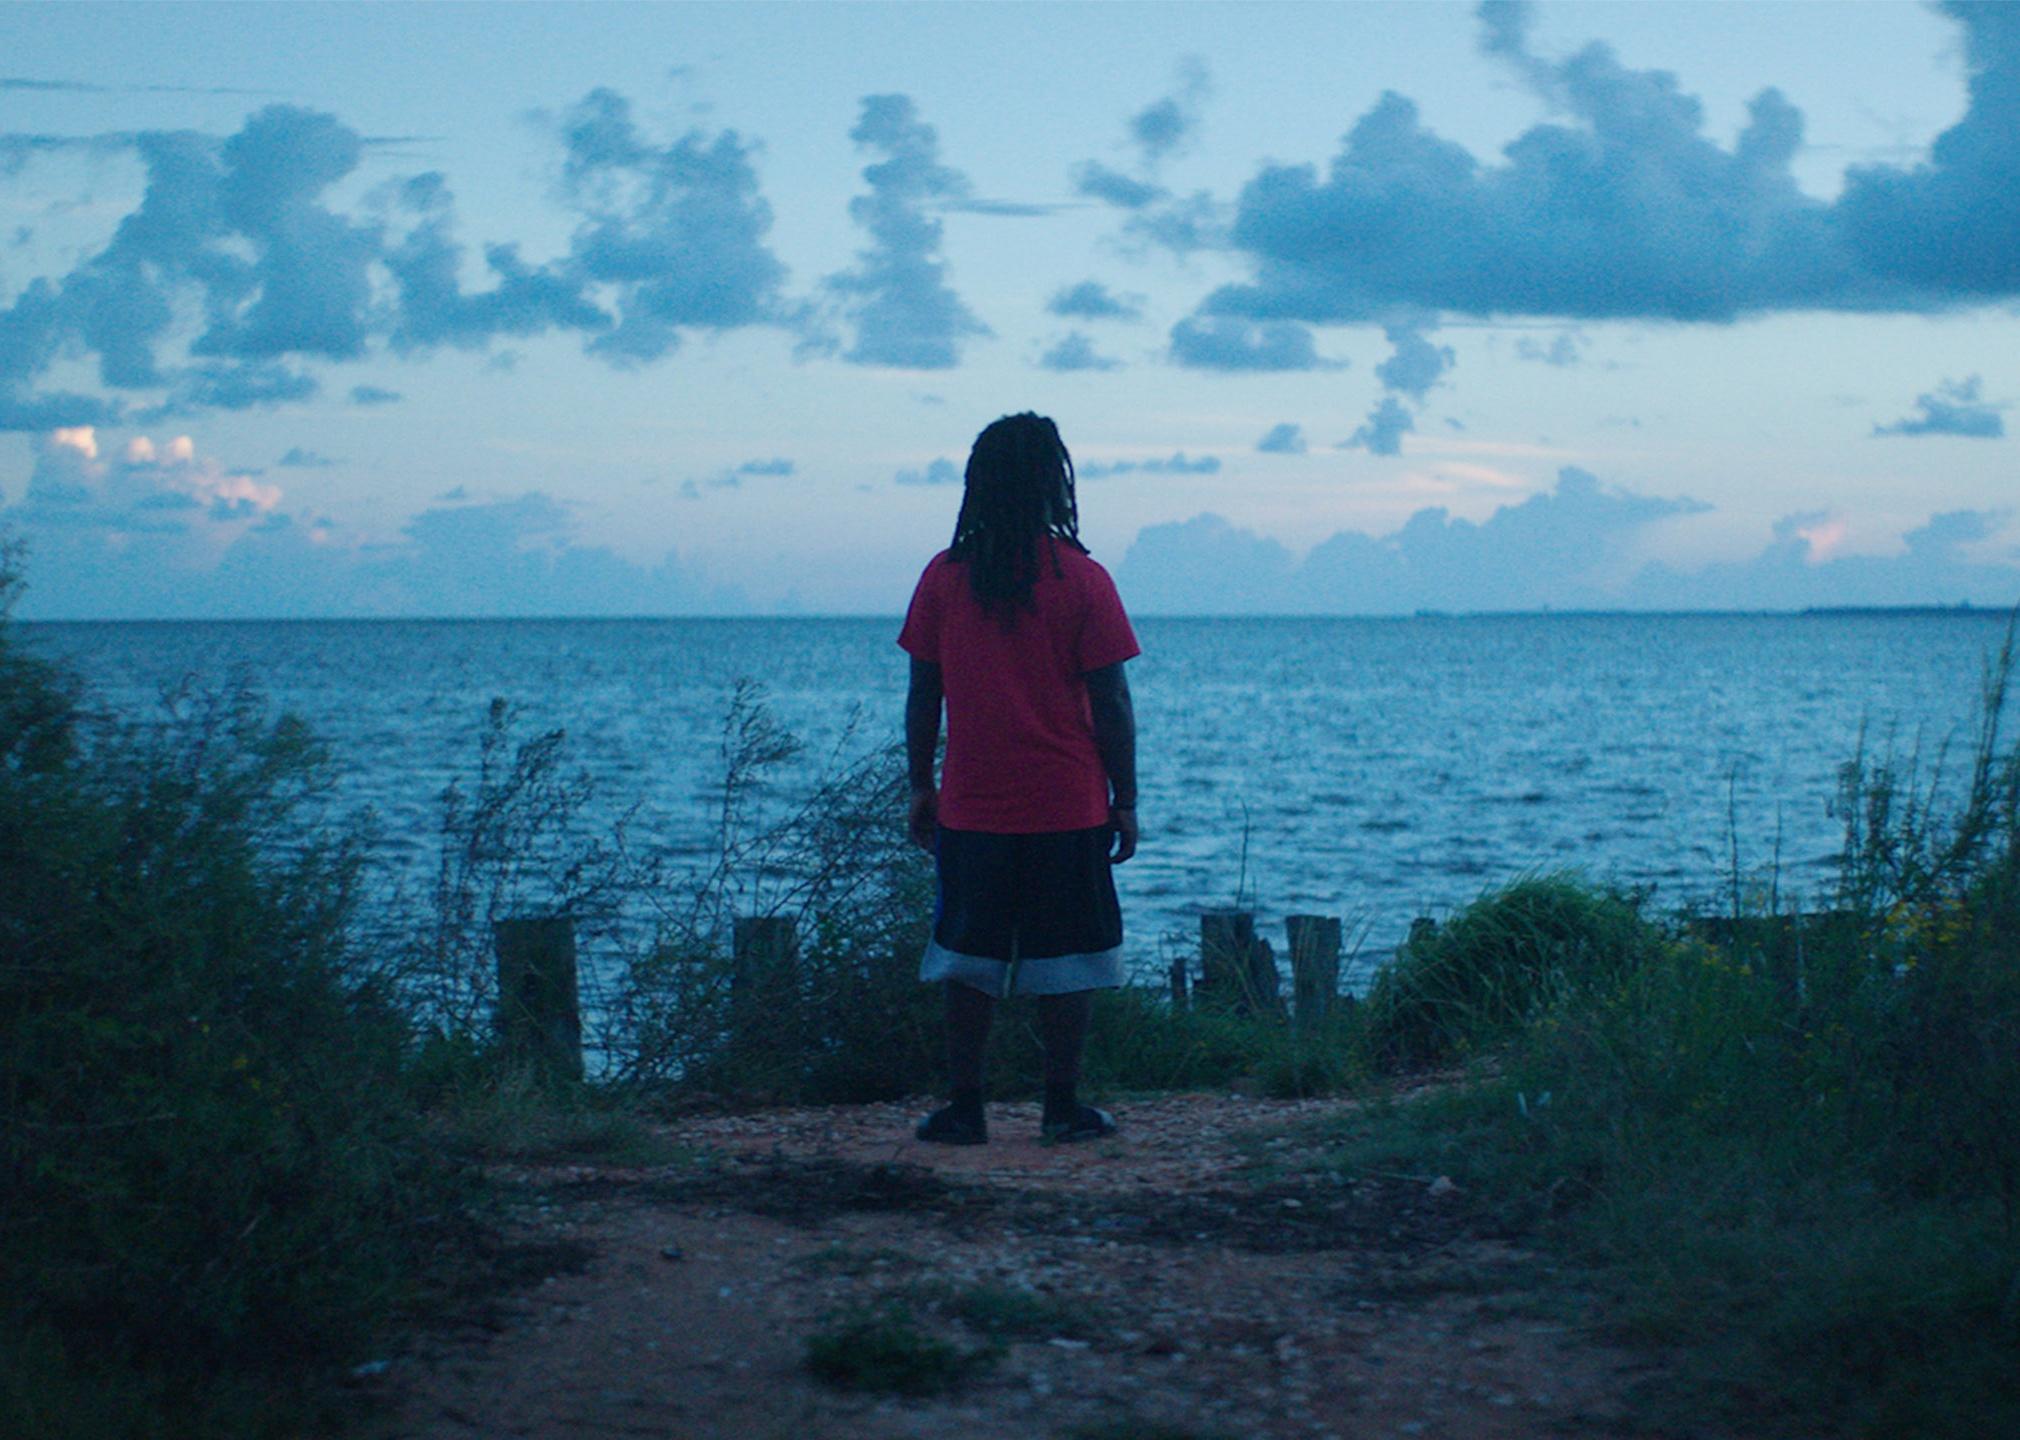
1790	1143
210	1181
1455	987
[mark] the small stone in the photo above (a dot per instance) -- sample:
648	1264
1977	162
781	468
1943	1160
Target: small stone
672	1252
371	1368
1441	1187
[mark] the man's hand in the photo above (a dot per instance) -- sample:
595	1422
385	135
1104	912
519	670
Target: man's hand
1122	820
926	818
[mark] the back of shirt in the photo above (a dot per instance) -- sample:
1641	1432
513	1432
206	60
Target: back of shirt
1021	757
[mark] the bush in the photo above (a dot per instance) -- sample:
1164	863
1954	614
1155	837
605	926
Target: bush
1788	1143
1456	987
211	1183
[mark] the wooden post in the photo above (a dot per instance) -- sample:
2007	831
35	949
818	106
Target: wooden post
539	1010
1235	968
1315	964
1179	998
1225	939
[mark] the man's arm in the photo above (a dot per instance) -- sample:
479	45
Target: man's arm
1115	738
922	746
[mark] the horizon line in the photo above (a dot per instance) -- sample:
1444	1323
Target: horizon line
1959	607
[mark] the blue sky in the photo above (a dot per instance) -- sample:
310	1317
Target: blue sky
662	309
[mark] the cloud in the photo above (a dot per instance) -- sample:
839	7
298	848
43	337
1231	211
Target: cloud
1228	342
1283	439
1204	566
1413	367
298	458
144	487
732	477
85	87
513	556
1950	226
1176	464
1953	408
1097	182
905	313
675	231
374	395
1575	546
234	269
1383	431
1167	125
1557	547
1566	349
237	385
1091	300
1415	363
1940	562
524	299
1624	208
1076	352
939	472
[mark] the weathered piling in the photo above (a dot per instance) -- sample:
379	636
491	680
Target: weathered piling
1236	969
1179	998
539	1007
1315	964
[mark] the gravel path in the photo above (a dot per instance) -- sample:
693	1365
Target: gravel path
1208	1271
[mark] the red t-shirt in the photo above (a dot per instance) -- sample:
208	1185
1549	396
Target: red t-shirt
1020	732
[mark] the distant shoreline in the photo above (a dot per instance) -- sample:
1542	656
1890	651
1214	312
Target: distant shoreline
1959	609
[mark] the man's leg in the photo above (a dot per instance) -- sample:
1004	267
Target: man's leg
1062	1025
969	1013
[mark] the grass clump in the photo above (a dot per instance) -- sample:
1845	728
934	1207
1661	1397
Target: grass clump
883	1350
1456	987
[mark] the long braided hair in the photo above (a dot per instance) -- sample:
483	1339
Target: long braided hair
1019	487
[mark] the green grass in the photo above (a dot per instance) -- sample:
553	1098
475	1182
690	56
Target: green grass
1804	1190
884	1351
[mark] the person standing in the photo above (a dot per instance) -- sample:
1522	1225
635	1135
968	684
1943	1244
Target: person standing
1022	635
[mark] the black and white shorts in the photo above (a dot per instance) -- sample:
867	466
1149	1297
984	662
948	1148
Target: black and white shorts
1026	914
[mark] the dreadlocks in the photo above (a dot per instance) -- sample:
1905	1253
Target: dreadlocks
1019	487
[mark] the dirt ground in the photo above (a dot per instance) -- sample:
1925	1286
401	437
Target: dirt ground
1206	1272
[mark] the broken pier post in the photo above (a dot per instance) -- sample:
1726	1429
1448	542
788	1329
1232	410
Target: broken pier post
1236	969
539	1007
1315	964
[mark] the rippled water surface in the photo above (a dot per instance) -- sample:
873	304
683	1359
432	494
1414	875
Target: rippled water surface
1374	768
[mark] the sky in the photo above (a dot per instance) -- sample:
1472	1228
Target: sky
332	310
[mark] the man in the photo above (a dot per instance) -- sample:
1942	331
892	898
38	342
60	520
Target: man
1023	636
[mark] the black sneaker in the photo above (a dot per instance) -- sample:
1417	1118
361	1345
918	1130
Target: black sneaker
1086	1123
948	1126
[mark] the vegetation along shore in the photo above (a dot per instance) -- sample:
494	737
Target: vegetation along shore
254	1142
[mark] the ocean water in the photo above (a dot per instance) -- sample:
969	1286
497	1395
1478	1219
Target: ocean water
1372	769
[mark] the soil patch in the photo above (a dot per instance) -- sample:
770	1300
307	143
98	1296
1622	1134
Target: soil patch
1208	1270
